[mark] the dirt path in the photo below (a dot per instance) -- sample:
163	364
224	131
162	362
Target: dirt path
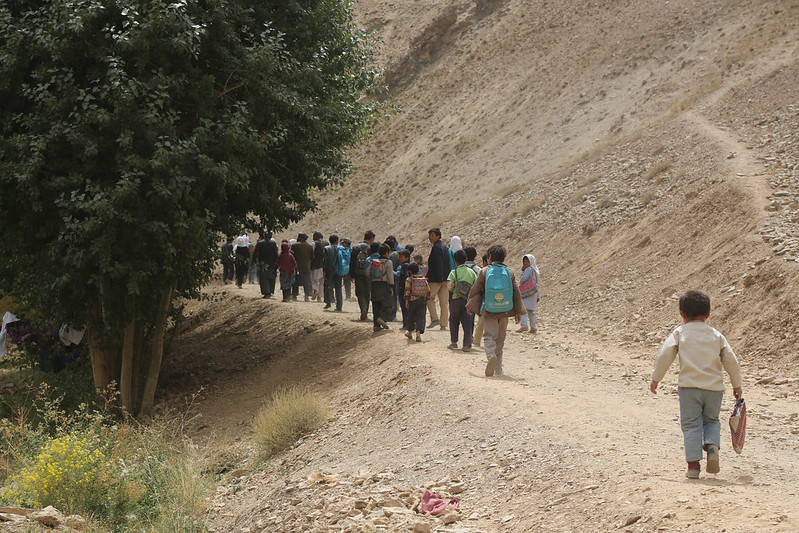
569	439
741	160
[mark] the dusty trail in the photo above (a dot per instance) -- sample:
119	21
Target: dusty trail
569	439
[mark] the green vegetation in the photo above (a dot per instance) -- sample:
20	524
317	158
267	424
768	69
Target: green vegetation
291	413
118	476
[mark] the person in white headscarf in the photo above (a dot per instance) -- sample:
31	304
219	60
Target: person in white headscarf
454	245
529	280
242	259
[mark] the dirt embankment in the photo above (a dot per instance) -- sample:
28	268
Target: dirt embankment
569	439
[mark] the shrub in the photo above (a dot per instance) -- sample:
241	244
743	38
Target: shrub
66	472
291	413
126	477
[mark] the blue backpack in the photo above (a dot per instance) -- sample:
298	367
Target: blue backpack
343	256
498	289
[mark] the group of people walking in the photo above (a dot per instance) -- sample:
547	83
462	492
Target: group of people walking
473	301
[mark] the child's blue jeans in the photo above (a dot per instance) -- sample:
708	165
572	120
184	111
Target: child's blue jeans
699	419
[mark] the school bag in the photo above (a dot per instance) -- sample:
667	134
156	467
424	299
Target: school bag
738	425
342	265
360	259
529	287
419	287
462	288
498	289
376	268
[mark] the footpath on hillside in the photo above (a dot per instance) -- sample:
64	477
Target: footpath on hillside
568	439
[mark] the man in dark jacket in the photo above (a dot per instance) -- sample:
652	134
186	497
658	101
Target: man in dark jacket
303	253
265	257
363	288
437	272
332	279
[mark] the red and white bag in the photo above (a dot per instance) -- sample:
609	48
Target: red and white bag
738	425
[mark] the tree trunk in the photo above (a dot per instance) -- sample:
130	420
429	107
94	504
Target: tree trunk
126	371
138	348
148	396
98	349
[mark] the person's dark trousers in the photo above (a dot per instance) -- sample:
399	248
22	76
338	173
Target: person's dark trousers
333	290
227	272
347	281
337	286
459	317
363	291
266	279
417	310
404	308
303	280
381	302
241	273
394	305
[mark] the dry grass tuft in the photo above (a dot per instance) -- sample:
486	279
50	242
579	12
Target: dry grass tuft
292	412
658	168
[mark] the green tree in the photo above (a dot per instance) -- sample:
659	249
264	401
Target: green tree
134	132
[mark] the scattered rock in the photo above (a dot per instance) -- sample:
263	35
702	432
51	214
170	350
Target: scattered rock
631	520
421	527
49	516
75	522
451	518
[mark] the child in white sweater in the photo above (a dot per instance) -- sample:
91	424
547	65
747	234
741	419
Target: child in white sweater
704	352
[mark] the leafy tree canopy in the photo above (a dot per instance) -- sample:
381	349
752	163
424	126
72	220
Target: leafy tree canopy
134	132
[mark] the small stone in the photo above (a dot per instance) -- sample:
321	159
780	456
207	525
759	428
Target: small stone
49	516
421	527
361	504
392	502
457	488
75	522
631	520
389	511
451	518
507	518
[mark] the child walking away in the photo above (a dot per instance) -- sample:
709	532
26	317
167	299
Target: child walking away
495	296
460	282
400	276
478	326
529	288
418	259
704	352
286	265
416	294
381	272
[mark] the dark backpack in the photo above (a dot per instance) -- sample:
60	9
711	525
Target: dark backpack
462	288
360	260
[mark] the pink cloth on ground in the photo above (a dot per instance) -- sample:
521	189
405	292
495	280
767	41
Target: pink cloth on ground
432	504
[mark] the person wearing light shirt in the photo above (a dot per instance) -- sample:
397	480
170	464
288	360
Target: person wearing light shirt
704	355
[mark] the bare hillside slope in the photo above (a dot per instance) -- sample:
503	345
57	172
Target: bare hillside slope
636	148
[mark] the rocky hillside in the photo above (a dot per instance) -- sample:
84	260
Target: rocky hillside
637	148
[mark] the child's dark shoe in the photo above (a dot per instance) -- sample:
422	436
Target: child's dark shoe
693	470
713	459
